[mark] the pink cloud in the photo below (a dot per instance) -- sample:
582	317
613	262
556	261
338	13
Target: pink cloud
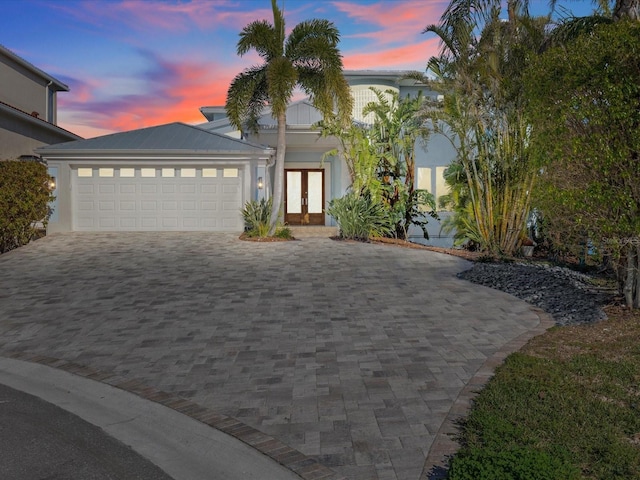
407	56
174	92
164	16
395	21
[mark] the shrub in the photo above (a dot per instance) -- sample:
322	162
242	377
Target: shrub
283	231
24	201
257	217
359	217
513	464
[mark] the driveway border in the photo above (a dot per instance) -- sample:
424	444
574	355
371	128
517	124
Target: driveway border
445	445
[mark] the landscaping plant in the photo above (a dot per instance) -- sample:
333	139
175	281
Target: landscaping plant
360	217
257	217
25	197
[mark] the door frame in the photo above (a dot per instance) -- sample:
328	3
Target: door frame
305	218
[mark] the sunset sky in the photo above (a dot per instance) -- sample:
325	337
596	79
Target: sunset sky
137	63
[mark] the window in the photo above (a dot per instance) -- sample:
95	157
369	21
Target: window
230	173
168	172
209	172
147	172
424	179
85	172
441	185
188	172
127	172
105	172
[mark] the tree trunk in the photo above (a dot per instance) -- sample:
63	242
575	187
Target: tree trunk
278	174
626	9
636	296
631	274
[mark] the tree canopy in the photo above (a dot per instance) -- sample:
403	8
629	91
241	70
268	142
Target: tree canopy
584	107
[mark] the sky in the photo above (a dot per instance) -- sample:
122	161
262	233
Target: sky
136	63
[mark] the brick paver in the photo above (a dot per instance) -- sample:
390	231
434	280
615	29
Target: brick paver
329	354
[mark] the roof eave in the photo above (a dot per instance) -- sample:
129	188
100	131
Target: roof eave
60	87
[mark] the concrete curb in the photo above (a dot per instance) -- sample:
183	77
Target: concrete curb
298	463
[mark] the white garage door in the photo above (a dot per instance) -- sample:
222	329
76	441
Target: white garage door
143	198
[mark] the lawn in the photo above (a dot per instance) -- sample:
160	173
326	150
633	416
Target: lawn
567	406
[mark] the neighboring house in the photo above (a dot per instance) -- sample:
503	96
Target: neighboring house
133	180
28	106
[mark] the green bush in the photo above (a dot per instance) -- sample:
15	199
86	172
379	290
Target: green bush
24	201
257	217
359	217
513	464
283	231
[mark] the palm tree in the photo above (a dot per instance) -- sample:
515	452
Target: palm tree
309	58
479	69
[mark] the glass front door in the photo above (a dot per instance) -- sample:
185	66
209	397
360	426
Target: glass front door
304	197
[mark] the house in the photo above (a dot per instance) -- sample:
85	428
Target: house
28	108
181	177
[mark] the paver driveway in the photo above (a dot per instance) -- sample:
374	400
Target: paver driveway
351	353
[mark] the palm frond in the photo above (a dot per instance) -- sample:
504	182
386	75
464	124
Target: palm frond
282	78
260	36
247	97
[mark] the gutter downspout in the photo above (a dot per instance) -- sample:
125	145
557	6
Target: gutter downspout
46	103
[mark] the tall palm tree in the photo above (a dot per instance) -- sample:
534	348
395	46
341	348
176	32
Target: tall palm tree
309	58
480	65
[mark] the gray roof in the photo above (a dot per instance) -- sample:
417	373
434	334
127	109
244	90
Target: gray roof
57	84
170	138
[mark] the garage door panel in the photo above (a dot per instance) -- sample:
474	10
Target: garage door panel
129	203
107	222
209	206
171	223
230	206
208	188
127	223
85	206
230	189
151	222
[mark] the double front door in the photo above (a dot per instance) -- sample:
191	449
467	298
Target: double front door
304	197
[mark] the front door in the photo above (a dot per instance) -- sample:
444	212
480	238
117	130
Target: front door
304	197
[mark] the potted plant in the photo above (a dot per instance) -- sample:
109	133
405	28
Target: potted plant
527	246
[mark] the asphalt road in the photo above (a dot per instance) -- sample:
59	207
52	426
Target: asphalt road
39	440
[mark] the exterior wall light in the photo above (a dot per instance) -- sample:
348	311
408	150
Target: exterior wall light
260	183
52	183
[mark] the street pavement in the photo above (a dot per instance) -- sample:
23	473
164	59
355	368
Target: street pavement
39	440
88	430
334	359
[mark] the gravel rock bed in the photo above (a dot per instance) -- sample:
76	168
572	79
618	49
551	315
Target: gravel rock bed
568	296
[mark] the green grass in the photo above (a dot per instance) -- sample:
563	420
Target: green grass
566	406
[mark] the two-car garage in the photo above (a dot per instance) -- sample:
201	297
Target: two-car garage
156	198
173	177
